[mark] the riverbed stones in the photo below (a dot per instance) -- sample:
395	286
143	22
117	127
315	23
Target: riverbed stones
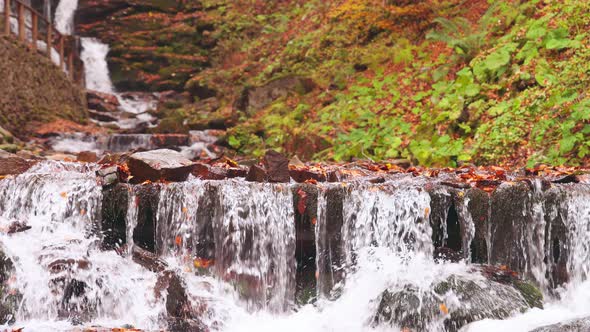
156	165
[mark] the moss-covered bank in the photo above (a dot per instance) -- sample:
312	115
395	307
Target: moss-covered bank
34	91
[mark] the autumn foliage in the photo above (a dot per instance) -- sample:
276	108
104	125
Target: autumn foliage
391	15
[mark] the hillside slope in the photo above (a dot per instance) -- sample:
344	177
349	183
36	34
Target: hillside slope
437	82
34	91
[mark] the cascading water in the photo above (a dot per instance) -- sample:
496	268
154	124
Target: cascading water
61	274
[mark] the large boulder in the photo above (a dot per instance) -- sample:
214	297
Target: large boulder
156	165
575	325
257	98
456	301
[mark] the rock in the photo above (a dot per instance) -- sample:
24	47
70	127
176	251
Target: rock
60	157
156	165
102	102
148	260
113	225
9	298
178	305
11	164
87	157
208	172
574	325
169	140
15	226
277	167
102	116
253	99
449	304
302	174
256	174
110	175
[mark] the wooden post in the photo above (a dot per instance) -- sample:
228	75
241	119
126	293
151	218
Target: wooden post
71	64
35	31
49	40
61	51
21	21
7	17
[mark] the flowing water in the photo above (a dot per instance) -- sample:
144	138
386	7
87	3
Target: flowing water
233	244
247	231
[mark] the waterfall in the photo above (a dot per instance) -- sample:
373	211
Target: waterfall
94	55
64	16
61	273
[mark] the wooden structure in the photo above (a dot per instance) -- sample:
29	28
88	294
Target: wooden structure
34	29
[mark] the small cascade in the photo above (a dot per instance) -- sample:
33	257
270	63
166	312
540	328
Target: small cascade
245	229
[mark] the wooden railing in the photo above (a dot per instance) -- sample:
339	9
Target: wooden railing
32	27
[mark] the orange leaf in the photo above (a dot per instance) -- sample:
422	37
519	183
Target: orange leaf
443	308
314	221
63	194
178	240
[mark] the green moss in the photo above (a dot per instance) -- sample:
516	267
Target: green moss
530	292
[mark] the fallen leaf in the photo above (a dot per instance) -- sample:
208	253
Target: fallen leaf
444	309
63	194
178	240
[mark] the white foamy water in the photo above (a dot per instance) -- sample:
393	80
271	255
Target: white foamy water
64	16
94	55
61	272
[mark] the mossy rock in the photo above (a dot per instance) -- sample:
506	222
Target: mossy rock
530	292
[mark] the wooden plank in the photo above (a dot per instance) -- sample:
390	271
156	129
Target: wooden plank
7	17
21	21
61	52
35	31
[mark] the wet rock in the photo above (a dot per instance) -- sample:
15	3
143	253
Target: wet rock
87	157
182	315
147	198
148	259
9	298
16	226
574	325
305	199
437	308
302	174
156	165
556	235
113	227
102	116
208	172
514	231
277	167
110	175
169	140
330	246
102	102
478	207
256	174
11	164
